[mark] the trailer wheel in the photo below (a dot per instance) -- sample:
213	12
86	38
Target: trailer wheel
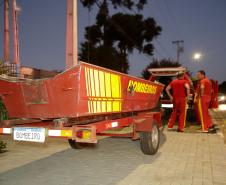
75	145
149	141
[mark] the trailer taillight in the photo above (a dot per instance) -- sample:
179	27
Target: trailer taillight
84	134
5	130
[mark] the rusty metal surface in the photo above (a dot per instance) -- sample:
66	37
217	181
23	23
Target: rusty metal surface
83	90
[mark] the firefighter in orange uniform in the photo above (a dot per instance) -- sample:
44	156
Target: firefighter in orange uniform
181	91
203	98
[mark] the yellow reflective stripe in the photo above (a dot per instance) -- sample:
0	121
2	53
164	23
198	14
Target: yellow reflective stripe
89	108
94	106
98	107
86	78
92	82
102	84
116	106
109	107
96	81
115	86
103	104
103	91
108	84
200	112
185	114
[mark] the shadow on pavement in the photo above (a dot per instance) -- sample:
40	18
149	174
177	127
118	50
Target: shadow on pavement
163	138
108	163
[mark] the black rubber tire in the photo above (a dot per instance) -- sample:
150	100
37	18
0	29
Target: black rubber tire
147	145
75	145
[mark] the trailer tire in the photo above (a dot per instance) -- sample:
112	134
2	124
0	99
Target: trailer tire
149	141
75	145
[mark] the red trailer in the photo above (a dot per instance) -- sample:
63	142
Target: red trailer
80	104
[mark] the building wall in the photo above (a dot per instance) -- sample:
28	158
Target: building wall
33	73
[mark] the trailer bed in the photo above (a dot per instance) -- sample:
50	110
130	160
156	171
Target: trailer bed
82	91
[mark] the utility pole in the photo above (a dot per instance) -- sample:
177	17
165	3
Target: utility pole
180	48
6	31
16	57
71	34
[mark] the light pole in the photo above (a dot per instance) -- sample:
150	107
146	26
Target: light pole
71	34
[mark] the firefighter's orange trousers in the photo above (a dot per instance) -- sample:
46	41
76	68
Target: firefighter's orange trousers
179	107
203	106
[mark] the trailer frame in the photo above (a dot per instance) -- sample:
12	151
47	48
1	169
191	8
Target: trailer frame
140	122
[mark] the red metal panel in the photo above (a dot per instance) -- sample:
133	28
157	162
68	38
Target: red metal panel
12	96
83	90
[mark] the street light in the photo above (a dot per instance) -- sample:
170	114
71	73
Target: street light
197	56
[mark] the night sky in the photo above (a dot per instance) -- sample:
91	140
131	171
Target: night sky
200	23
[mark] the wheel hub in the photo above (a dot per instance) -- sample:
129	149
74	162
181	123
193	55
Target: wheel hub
155	136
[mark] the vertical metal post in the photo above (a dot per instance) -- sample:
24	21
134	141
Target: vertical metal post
75	32
71	34
16	54
6	31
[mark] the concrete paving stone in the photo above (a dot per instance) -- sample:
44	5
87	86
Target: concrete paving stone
197	181
207	182
219	183
185	159
165	183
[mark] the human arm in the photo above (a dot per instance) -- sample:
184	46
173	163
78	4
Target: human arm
168	92
202	88
187	87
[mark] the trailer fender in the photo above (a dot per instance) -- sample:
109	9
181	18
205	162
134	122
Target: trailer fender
143	123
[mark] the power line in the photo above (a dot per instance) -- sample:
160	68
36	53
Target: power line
161	46
172	16
2	3
163	19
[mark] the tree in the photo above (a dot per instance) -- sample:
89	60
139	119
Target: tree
112	38
159	63
130	4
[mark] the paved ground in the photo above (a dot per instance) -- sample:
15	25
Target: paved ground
183	158
219	117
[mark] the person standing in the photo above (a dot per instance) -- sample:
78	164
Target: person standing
203	98
181	91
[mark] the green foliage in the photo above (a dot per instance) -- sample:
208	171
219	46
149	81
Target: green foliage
112	38
4	69
3	111
2	146
159	63
102	56
3	116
